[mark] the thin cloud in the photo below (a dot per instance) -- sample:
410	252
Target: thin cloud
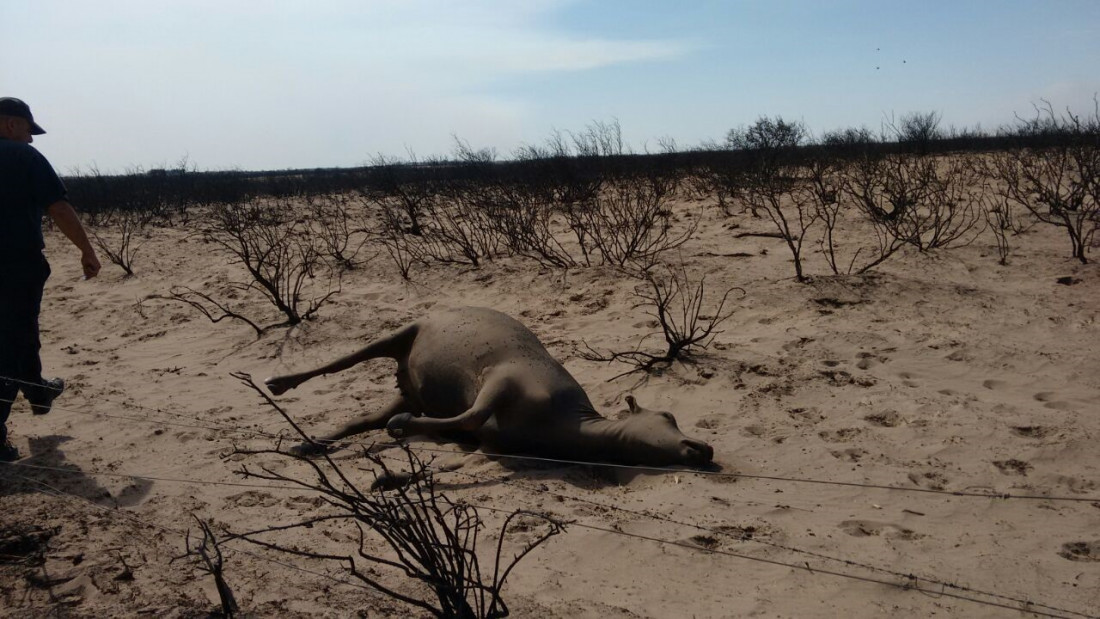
289	83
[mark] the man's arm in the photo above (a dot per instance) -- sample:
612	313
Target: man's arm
63	214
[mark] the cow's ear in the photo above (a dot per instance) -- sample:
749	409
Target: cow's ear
633	404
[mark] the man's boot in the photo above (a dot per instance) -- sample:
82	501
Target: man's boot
41	398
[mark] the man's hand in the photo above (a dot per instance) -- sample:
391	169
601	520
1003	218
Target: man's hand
90	262
62	214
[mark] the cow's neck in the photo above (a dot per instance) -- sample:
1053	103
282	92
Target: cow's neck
600	439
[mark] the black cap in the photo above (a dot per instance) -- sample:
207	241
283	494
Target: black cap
10	106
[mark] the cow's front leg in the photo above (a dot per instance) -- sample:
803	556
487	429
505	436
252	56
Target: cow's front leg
371	421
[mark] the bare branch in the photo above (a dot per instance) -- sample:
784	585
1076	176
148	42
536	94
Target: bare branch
676	302
432	538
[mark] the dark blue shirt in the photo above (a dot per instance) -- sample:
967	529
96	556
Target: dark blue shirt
28	184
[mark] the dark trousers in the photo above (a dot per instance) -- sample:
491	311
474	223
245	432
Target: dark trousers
22	281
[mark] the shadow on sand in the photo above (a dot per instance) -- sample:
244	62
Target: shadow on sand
47	469
455	464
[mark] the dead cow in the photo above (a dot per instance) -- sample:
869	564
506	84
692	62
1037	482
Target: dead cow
475	372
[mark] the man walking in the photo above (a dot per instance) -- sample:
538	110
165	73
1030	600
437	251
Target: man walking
29	189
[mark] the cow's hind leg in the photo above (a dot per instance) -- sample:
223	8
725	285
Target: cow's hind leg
395	345
371	421
495	395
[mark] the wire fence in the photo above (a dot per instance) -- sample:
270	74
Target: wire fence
904	580
251	433
177	480
49	490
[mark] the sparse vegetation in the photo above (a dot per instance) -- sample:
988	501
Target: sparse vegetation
430	538
584	202
1055	178
628	223
677	303
584	199
121	246
206	556
276	248
917	130
335	221
279	252
772	182
1002	222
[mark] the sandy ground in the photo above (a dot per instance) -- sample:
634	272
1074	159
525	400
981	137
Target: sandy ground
944	372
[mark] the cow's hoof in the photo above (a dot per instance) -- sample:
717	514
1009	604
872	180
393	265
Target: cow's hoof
391	481
310	449
398	425
278	385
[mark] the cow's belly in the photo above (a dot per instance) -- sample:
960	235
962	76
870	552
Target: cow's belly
455	351
438	390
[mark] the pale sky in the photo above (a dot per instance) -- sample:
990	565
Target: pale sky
266	84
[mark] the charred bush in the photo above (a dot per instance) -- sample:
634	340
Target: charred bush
1057	178
403	524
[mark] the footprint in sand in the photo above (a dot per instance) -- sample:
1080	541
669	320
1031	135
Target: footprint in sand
805	416
885	419
745	532
1049	401
870	528
1032	431
729	532
960	355
1080	551
303	502
762	432
868	360
853	454
134	493
838	378
185	436
930	479
709	542
842	435
1012	467
252	498
993	384
709	423
907	379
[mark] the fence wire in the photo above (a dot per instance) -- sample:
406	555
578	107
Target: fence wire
909	580
250	433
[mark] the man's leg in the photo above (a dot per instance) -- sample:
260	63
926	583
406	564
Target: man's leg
21	285
8	391
37	390
9	367
14	280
